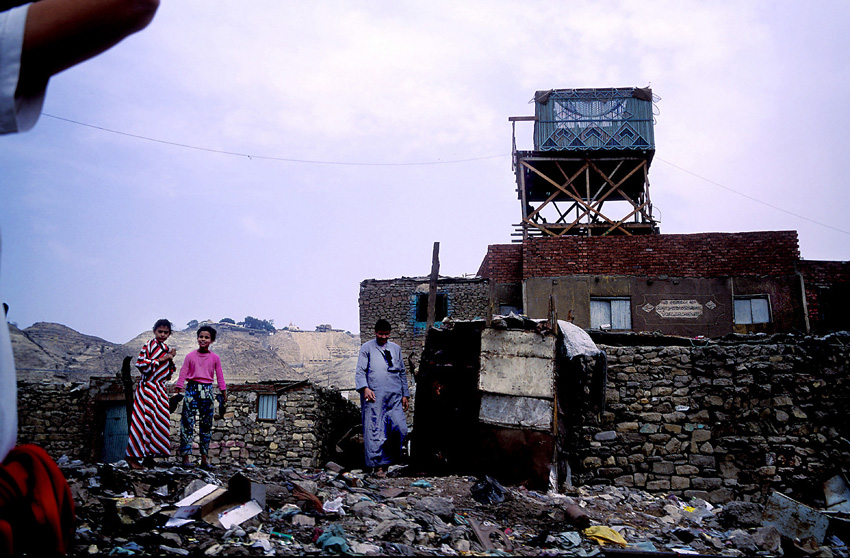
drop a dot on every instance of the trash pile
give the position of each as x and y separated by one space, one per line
177 511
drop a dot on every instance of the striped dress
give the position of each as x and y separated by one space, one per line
150 426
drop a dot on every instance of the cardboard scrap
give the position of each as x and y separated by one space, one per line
240 501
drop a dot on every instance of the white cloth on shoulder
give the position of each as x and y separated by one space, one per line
17 113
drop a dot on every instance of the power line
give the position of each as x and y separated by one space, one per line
453 161
752 198
286 159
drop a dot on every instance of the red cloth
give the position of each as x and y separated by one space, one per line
36 506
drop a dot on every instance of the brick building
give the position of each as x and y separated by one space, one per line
706 284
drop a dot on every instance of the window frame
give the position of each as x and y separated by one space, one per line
609 300
737 317
421 308
261 407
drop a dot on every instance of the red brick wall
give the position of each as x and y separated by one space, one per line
818 276
503 263
676 255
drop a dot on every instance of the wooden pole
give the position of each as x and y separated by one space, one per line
491 292
127 382
553 312
432 288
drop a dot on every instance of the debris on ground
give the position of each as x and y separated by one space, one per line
332 511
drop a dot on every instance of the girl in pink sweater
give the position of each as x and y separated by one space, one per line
198 371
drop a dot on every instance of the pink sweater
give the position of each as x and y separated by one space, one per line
200 367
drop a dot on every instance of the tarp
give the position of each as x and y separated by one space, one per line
577 341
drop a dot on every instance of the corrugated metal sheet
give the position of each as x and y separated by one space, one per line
793 519
593 119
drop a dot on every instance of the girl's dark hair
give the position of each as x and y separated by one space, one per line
162 323
208 329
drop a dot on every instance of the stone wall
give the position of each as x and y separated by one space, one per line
395 300
288 441
728 419
68 419
721 421
54 416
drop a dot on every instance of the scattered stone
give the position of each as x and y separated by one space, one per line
740 514
768 539
743 541
441 507
394 518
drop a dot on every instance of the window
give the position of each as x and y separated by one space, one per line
752 310
442 308
267 406
610 313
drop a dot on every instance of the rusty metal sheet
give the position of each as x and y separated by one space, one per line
523 412
793 519
515 456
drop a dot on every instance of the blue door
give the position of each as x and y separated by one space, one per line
115 433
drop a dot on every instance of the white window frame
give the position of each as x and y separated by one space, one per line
611 313
753 309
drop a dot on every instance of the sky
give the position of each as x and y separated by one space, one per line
263 158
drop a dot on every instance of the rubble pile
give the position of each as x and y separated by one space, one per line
331 511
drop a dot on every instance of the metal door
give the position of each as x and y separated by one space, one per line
115 433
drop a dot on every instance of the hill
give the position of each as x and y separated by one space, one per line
54 352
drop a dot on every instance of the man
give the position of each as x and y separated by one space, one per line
384 398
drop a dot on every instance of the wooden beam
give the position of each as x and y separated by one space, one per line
524 202
590 206
578 200
550 198
491 292
620 222
432 288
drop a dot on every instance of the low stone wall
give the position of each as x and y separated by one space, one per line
287 441
727 420
53 416
69 419
721 421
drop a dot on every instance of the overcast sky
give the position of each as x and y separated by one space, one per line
264 157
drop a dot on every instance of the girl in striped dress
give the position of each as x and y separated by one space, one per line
150 426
